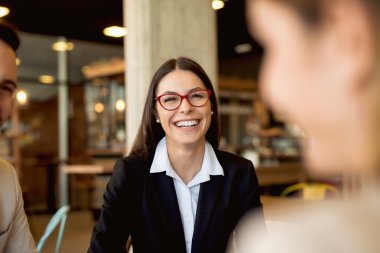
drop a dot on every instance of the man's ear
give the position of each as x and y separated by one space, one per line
352 40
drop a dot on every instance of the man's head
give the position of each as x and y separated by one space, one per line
9 42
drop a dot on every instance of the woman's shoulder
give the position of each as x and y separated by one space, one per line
133 164
132 159
231 160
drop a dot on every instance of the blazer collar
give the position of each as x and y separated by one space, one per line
161 162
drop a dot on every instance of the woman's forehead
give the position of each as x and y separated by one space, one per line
180 81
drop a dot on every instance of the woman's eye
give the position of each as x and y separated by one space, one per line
170 99
197 95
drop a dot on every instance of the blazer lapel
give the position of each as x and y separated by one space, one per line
206 202
168 203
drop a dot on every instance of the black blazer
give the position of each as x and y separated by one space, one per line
145 206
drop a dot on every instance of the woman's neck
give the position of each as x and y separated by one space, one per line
186 160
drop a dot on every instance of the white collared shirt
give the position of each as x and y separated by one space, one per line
187 195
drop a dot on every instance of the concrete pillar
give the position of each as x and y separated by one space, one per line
157 31
63 128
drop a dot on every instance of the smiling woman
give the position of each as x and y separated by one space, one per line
176 192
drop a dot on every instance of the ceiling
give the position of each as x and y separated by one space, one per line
82 21
37 59
85 20
75 19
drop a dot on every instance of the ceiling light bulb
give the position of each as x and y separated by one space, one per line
3 11
22 97
120 105
46 79
62 46
115 31
217 4
99 107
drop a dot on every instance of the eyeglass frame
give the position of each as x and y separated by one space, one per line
158 98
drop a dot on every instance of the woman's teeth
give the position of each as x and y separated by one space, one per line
186 123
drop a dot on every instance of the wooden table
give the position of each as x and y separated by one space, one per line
86 190
84 169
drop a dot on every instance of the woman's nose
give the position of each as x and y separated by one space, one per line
185 106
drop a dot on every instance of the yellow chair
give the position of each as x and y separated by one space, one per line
312 191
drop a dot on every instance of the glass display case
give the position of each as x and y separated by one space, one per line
105 113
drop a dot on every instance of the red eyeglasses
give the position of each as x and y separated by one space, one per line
196 98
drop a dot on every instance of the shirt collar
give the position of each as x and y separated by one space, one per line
210 164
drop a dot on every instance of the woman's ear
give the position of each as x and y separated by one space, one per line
157 118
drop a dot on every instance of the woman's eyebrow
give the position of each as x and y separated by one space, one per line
191 90
196 88
169 92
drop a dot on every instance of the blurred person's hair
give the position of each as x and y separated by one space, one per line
150 132
312 13
8 34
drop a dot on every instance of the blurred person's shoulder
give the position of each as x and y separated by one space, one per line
336 227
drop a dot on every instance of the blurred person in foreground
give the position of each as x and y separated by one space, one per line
176 192
321 71
15 236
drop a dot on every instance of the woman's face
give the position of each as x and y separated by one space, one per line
303 78
186 125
